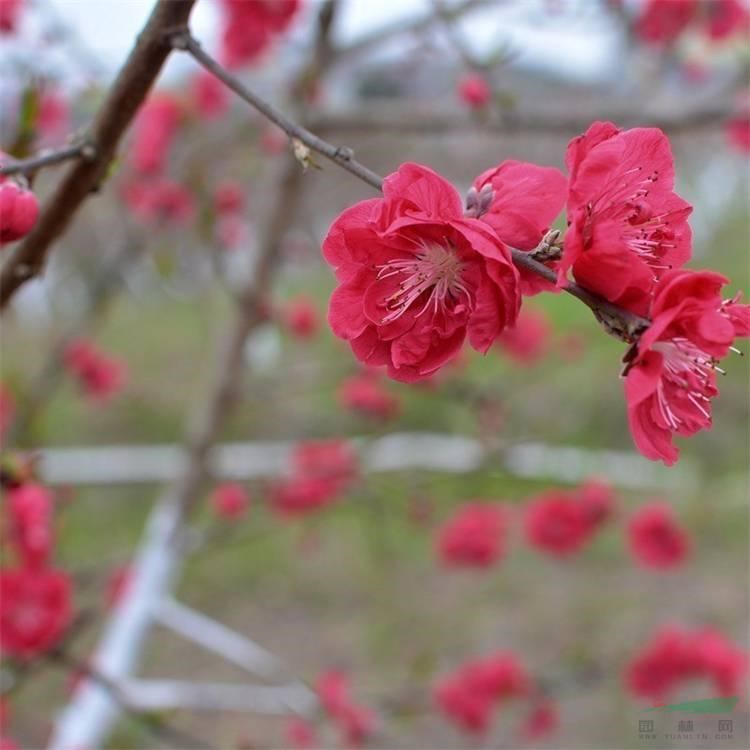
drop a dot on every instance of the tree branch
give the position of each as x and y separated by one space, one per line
49 158
618 322
115 115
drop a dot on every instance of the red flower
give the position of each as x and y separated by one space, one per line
301 317
30 514
474 536
19 209
663 663
229 198
10 12
230 501
155 128
334 460
416 277
526 342
36 610
365 393
250 26
321 472
543 720
675 655
466 696
662 21
210 95
556 522
462 704
627 225
99 376
474 91
670 377
656 539
723 662
520 201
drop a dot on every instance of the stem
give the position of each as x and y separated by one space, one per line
66 153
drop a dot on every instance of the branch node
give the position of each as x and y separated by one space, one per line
180 38
344 153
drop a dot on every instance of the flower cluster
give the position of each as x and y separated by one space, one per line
251 26
36 596
418 274
98 375
356 722
320 473
469 695
675 655
561 523
153 198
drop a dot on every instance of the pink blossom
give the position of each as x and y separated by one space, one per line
416 278
301 318
19 209
656 539
474 536
230 501
251 26
99 376
626 224
30 513
474 91
155 129
520 201
36 610
670 372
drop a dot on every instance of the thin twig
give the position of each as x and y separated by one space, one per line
342 156
617 321
115 115
49 158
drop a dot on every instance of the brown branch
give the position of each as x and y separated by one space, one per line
49 158
619 322
116 113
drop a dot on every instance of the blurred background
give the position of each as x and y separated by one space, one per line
358 586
